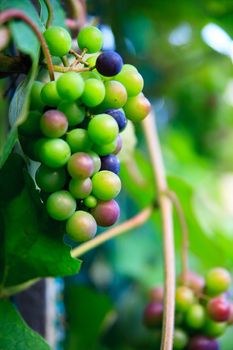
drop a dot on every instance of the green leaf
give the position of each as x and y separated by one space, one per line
59 14
14 333
31 243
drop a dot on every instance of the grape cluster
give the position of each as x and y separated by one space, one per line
203 310
73 129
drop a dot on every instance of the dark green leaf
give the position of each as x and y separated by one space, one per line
14 333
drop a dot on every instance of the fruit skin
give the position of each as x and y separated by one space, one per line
49 94
80 165
105 185
70 86
75 114
94 92
50 180
109 63
80 188
119 145
195 316
79 140
180 339
219 309
184 298
81 226
111 163
217 281
102 129
61 205
54 153
90 201
153 315
214 329
137 108
193 281
201 342
132 81
119 117
53 123
115 95
90 38
106 213
104 150
58 40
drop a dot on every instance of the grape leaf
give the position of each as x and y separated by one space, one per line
14 333
59 14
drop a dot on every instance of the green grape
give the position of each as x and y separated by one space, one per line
94 92
61 205
96 161
79 140
90 202
90 75
49 94
129 67
132 81
81 226
184 298
54 153
214 329
180 339
75 114
195 317
50 180
70 86
103 129
31 126
35 98
106 185
137 108
90 38
92 60
80 188
58 40
217 281
115 95
104 150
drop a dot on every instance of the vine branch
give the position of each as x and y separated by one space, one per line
152 139
50 13
134 222
7 15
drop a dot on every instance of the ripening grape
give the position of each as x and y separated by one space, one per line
105 185
132 81
196 316
153 314
115 95
219 309
53 123
80 165
217 281
61 205
81 226
137 108
96 160
184 298
80 188
106 213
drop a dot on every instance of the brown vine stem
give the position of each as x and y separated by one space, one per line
50 13
118 230
167 224
7 15
185 234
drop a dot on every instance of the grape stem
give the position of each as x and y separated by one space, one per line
63 69
152 139
50 13
185 234
118 230
7 15
65 61
78 57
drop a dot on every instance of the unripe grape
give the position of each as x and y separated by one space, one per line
219 309
90 38
79 140
156 294
90 201
129 67
70 86
104 150
81 226
96 159
111 163
74 113
90 75
115 95
54 153
137 108
106 213
153 315
217 281
195 316
35 98
31 126
102 129
50 180
94 92
105 185
200 342
58 40
180 339
61 205
184 298
119 117
80 188
53 123
109 63
49 94
214 329
80 165
132 81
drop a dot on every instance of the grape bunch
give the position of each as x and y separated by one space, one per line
203 310
73 129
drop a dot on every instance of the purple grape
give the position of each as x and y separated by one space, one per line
119 117
201 342
111 163
109 63
106 213
153 314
